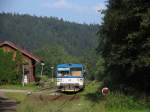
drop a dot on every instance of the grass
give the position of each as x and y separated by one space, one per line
19 87
45 82
118 102
80 105
90 101
19 97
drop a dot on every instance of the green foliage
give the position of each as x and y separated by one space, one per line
35 32
89 59
125 43
46 82
56 41
9 68
95 65
53 55
100 68
19 61
118 102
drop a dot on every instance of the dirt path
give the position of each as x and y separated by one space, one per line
12 90
7 105
52 91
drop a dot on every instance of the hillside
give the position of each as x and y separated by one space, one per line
34 33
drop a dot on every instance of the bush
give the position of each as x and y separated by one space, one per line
46 82
119 102
9 69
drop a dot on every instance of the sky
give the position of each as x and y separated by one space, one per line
80 11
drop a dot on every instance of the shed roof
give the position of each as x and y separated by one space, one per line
23 51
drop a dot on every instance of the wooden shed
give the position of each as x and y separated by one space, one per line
30 59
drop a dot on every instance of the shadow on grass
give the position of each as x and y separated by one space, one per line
72 92
69 93
7 104
94 97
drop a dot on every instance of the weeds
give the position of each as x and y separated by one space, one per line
90 100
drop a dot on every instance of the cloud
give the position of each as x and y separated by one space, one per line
61 4
67 5
99 7
55 4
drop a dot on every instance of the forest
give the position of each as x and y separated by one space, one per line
54 40
34 32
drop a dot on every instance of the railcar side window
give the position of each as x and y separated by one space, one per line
76 71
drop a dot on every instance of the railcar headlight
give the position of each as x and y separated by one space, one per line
59 80
81 80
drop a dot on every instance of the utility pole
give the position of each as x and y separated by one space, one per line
22 75
42 64
52 69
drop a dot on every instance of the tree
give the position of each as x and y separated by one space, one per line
18 64
125 42
100 68
35 32
10 70
54 55
7 67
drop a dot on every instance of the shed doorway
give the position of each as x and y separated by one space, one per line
26 73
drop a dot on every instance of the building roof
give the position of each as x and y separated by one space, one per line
23 51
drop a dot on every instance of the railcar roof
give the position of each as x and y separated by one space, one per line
69 65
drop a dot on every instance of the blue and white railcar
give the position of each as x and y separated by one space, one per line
70 77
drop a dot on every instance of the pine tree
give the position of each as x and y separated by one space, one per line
125 42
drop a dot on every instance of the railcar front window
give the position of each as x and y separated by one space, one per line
63 73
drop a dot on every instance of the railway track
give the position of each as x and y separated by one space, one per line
61 106
56 95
